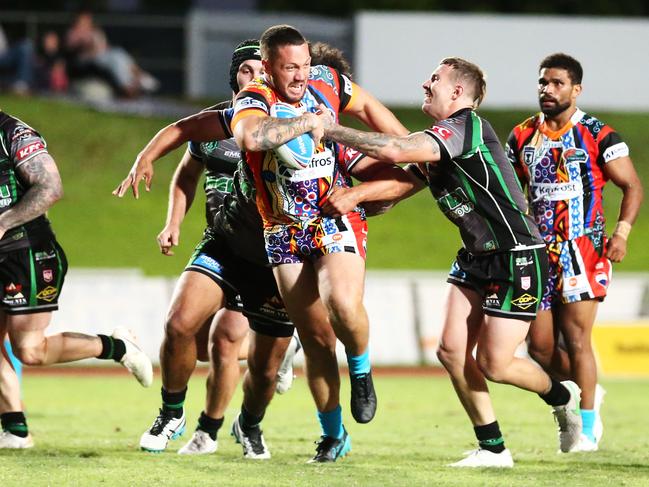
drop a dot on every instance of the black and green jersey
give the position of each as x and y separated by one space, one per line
475 186
18 144
220 158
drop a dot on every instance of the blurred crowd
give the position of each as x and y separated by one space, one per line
76 60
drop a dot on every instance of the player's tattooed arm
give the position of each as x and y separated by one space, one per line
416 147
256 134
41 176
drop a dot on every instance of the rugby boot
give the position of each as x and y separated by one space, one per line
10 441
330 449
165 427
584 444
480 458
568 418
363 400
285 374
598 427
201 443
251 440
135 360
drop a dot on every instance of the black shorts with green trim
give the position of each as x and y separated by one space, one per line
31 278
510 283
248 287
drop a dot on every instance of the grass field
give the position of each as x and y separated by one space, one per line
87 430
95 151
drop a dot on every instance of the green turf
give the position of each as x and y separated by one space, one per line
87 430
95 151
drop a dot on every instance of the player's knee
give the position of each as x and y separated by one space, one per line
493 370
30 356
345 310
224 350
262 374
449 358
179 325
541 355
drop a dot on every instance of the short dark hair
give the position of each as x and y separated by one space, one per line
323 53
471 74
564 61
279 35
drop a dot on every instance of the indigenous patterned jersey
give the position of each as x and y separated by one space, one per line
284 194
476 187
18 144
563 171
220 158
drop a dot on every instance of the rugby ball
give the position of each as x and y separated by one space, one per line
297 152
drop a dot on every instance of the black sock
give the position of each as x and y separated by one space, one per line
172 402
210 425
558 394
248 421
489 437
111 348
15 423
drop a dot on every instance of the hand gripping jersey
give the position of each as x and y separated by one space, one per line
475 186
18 144
220 158
284 194
563 171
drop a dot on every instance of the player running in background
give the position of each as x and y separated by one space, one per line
565 157
497 277
32 271
220 280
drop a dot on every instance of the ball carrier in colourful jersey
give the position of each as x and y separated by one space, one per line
32 271
217 285
312 255
497 277
565 157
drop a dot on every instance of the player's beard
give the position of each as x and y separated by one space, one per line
554 110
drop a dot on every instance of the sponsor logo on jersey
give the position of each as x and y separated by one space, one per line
528 155
48 294
523 261
40 256
618 150
21 132
526 282
443 132
574 155
5 196
490 245
557 191
347 85
29 150
13 295
525 301
249 102
12 288
48 275
602 279
321 166
455 204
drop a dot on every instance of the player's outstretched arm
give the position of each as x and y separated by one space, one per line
181 196
416 147
260 132
42 177
623 174
201 127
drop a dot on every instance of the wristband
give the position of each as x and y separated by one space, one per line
622 229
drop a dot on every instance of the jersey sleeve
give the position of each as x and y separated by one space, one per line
350 157
25 143
254 99
611 146
513 155
450 137
415 170
224 119
347 91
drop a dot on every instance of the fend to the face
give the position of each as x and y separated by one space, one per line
557 92
288 70
249 70
438 91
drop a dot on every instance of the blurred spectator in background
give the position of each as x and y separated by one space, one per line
90 55
16 64
51 72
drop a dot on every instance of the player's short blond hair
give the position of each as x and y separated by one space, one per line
470 75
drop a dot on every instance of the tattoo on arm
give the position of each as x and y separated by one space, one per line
273 132
41 176
378 145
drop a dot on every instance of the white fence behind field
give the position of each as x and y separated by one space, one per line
405 309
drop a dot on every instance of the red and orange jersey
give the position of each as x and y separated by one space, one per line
284 194
563 171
